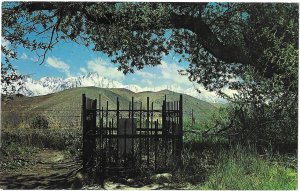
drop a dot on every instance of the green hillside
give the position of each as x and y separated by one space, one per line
65 107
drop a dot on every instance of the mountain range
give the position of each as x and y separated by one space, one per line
47 85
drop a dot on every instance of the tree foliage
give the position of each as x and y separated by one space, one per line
271 103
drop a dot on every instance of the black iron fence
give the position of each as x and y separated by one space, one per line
133 139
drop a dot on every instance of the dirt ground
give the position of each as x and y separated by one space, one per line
51 169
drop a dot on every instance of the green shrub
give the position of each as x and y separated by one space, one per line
39 122
61 139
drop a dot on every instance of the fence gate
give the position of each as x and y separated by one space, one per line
131 139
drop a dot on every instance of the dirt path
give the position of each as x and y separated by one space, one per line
52 170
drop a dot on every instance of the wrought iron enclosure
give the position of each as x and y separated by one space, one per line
131 140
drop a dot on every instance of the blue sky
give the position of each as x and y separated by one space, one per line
69 59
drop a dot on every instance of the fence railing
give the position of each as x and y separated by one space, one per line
123 140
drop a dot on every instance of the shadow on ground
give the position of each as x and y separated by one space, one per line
20 181
51 171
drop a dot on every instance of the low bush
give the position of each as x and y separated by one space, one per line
61 139
39 122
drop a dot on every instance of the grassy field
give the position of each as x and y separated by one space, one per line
240 169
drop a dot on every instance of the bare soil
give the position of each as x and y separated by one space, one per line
51 169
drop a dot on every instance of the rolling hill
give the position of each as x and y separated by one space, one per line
47 85
62 109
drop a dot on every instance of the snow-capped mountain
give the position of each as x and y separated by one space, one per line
48 85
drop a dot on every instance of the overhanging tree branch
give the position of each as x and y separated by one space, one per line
51 40
208 39
205 36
